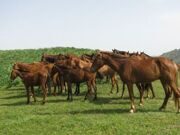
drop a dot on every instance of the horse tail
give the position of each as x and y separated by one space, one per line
177 93
177 73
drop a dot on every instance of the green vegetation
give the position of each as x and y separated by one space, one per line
106 116
8 58
174 55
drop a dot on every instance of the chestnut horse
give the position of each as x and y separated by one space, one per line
133 70
141 86
31 79
34 67
103 71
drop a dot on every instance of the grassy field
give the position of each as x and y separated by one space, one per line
106 116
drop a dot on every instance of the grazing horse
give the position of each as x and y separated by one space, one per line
133 70
76 75
30 80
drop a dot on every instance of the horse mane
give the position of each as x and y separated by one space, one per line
119 52
114 55
142 53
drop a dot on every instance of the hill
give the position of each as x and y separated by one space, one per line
9 57
174 55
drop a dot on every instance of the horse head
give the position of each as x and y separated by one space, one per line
14 74
98 62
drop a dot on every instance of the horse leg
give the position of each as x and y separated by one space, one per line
49 83
151 87
89 89
95 89
141 92
54 90
77 89
69 85
117 87
28 95
130 90
123 90
167 95
32 90
112 83
44 89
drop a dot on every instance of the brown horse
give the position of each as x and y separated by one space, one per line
34 67
133 70
103 71
30 80
76 75
141 86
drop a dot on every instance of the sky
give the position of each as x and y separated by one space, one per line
152 26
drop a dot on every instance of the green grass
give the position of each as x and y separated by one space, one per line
106 116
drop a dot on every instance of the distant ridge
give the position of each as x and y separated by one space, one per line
174 55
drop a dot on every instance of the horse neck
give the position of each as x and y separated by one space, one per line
23 67
84 64
20 74
112 62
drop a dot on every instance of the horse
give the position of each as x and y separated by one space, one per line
33 67
76 75
132 70
31 79
103 71
142 86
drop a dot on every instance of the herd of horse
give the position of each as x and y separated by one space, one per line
133 68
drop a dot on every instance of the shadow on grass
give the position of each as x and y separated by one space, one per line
13 97
100 111
109 100
119 111
21 103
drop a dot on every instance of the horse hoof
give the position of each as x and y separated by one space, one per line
131 111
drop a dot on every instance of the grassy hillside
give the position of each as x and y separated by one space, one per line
174 55
9 57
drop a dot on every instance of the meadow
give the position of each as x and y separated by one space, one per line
108 115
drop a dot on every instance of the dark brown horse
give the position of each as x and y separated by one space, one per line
76 75
133 70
